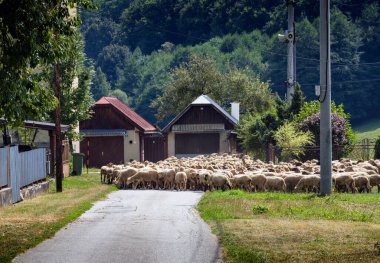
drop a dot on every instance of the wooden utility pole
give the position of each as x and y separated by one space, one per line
325 99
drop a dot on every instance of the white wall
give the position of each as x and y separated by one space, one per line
132 150
171 144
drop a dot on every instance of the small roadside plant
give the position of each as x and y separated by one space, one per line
260 209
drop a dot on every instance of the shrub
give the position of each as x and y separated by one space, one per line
377 148
340 140
292 141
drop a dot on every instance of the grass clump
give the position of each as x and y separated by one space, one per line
28 223
260 209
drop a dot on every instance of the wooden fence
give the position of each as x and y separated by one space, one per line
20 169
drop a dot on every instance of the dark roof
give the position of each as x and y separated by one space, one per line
203 100
40 125
127 112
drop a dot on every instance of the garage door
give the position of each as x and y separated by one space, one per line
201 143
103 150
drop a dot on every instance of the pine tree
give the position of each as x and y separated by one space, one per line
297 101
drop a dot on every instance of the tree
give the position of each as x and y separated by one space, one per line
201 76
75 80
297 101
100 86
27 45
256 132
291 140
120 95
186 83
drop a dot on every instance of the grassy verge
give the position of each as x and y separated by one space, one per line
28 223
277 227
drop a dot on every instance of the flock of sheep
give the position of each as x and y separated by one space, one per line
241 172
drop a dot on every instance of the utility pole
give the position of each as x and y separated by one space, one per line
58 135
325 99
290 37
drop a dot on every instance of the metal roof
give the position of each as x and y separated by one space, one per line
104 132
40 125
139 121
203 100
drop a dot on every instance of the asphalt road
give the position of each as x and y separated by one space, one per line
133 226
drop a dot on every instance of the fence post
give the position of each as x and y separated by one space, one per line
8 166
269 153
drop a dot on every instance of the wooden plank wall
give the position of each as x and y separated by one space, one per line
155 148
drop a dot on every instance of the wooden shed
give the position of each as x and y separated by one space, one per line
203 127
115 133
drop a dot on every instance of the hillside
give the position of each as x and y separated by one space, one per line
135 44
368 130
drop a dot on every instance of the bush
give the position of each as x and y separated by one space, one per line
343 137
377 148
340 140
292 141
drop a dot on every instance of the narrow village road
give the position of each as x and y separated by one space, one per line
133 226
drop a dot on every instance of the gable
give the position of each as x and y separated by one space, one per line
106 117
203 114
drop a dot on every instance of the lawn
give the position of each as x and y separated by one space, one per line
277 227
28 223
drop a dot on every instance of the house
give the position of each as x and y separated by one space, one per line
203 127
115 134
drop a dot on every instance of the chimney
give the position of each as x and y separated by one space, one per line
235 110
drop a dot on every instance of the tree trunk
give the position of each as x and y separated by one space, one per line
58 146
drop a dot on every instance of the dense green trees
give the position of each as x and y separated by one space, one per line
27 47
201 76
137 43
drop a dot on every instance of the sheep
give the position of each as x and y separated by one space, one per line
169 180
123 175
344 182
309 183
291 181
241 181
203 178
258 182
374 180
143 176
180 180
362 184
275 183
191 178
220 180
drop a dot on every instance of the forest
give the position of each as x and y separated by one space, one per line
135 45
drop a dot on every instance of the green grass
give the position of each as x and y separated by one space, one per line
369 130
278 227
26 224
